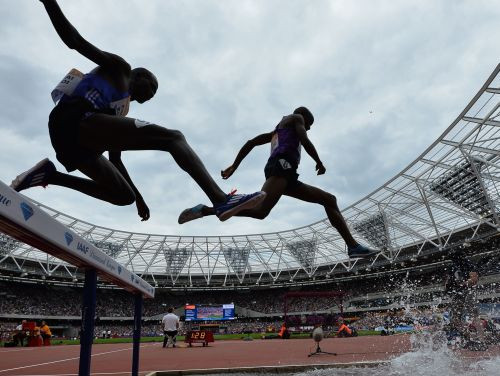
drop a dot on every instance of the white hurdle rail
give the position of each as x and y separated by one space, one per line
26 222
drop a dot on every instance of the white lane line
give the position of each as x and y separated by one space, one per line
65 360
7 351
92 374
51 348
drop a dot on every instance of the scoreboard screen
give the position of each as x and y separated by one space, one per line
195 312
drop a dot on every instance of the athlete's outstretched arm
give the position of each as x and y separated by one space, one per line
247 148
142 208
308 145
72 38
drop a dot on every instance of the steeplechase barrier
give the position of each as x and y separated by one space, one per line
21 219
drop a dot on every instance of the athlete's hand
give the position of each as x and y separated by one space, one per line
228 172
320 168
142 208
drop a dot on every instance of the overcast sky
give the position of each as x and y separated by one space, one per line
383 78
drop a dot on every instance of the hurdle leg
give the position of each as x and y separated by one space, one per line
88 316
137 334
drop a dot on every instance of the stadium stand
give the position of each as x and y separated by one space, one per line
372 298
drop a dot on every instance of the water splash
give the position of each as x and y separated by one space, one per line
430 356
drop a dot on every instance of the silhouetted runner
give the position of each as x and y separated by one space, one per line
282 178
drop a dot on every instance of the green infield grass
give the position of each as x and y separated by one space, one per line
217 337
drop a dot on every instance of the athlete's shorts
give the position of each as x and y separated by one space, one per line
64 123
281 165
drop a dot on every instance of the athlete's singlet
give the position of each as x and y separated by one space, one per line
286 142
101 94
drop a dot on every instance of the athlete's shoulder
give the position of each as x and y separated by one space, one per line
290 121
117 65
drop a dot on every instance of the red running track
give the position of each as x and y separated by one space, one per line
115 359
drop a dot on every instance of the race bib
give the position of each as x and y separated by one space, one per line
67 85
121 106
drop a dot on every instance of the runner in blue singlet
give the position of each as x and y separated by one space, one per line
90 119
282 179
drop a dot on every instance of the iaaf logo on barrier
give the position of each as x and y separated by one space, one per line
82 248
68 237
27 210
4 200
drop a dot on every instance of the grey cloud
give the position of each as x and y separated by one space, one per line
24 97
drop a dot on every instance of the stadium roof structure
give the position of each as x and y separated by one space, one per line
452 186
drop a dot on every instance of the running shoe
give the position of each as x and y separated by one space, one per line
191 214
360 251
37 176
236 203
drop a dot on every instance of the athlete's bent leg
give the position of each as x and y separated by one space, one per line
106 182
274 187
315 195
106 132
